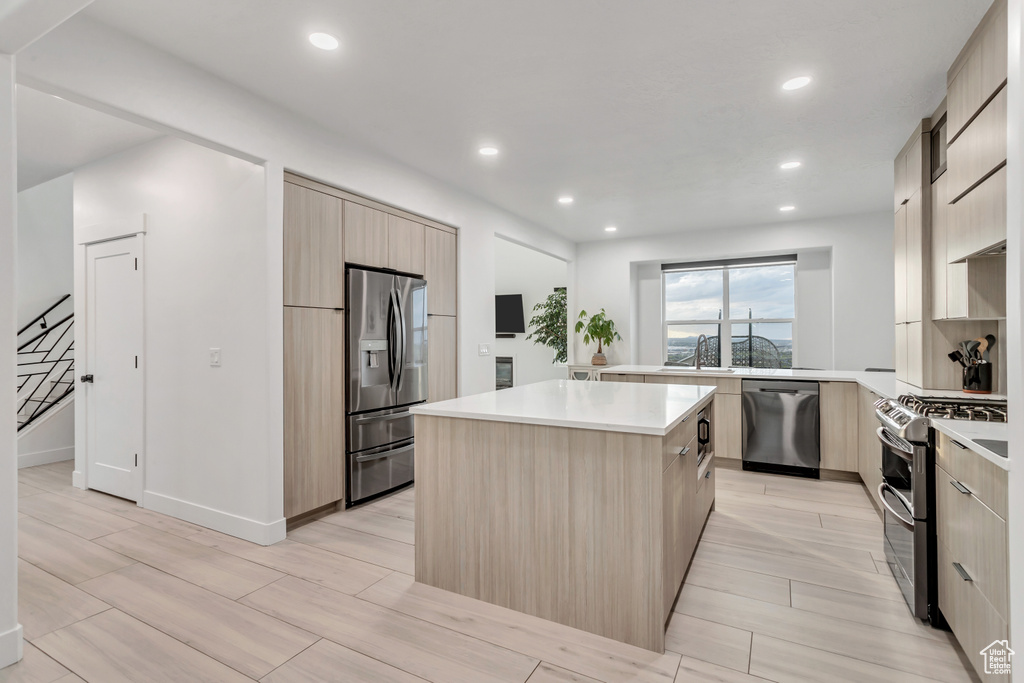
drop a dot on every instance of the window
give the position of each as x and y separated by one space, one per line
752 300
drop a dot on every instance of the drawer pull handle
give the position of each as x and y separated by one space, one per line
686 418
684 451
960 487
958 445
962 572
707 475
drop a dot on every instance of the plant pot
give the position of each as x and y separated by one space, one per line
599 359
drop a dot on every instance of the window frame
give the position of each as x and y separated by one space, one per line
724 322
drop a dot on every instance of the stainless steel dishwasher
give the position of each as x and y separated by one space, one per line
781 431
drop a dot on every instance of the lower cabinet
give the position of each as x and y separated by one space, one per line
442 358
729 425
314 409
621 377
869 448
972 549
839 422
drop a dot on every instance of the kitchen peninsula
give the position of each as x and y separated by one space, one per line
577 502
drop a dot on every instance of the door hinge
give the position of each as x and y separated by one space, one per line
136 459
136 264
136 362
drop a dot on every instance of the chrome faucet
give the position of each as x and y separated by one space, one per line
706 345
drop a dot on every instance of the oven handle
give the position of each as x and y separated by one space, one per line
884 437
908 525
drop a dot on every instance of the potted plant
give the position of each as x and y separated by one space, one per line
550 325
600 328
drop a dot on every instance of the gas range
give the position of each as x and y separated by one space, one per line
909 416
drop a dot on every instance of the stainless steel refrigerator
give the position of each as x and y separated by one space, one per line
386 330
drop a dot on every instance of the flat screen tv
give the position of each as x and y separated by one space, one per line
508 314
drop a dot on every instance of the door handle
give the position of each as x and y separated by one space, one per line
381 418
87 378
384 454
960 487
962 572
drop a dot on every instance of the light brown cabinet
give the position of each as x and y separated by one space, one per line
314 405
869 448
976 288
838 420
406 245
977 223
441 271
940 269
901 352
900 254
621 377
979 150
914 255
366 236
728 424
442 355
314 260
971 499
979 70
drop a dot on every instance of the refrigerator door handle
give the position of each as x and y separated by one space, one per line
402 344
395 332
391 340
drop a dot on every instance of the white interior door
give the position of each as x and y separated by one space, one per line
113 359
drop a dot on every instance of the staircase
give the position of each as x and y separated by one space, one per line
46 361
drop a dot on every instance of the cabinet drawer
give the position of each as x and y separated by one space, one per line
621 377
683 437
705 492
980 149
975 537
973 620
985 480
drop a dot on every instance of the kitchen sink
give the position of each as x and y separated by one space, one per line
695 371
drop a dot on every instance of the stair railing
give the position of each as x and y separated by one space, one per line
46 363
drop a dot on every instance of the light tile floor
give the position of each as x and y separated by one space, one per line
788 584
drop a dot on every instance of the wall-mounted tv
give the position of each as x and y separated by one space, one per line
508 314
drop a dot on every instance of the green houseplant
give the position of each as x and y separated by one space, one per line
550 325
600 328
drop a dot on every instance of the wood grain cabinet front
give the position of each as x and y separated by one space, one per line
406 245
366 236
441 271
838 420
442 356
869 448
314 259
314 407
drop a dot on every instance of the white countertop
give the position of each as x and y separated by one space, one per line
652 409
884 384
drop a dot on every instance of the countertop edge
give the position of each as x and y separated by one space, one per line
950 430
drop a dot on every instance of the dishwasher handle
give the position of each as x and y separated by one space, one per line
779 391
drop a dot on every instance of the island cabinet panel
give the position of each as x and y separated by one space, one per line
838 420
406 245
314 261
869 448
728 426
314 404
566 524
366 236
440 270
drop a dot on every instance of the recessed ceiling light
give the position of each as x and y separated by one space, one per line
324 41
788 207
796 83
565 200
488 151
610 228
789 165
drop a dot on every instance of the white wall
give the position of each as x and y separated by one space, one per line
51 438
844 286
90 63
10 630
45 253
207 454
521 270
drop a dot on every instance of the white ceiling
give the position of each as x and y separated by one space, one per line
657 115
56 136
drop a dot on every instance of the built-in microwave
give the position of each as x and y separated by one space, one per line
704 445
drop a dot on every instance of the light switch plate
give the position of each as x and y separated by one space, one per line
214 358
485 349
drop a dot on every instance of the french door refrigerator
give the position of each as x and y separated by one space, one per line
386 334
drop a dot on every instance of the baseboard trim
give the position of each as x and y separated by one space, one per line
12 645
218 520
46 457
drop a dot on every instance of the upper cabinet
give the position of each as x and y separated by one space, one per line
366 236
441 261
405 245
979 150
979 71
314 260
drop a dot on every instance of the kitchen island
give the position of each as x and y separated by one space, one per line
577 502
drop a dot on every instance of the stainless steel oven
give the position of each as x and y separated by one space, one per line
907 493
